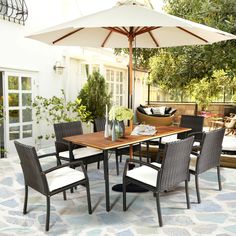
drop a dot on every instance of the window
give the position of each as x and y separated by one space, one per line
116 85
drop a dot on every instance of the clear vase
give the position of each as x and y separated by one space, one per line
121 129
113 131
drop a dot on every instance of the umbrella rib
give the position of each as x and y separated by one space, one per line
103 44
204 40
136 30
153 38
146 29
125 30
117 30
67 35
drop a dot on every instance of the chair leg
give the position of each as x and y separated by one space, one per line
120 158
159 209
147 152
187 194
124 194
98 166
117 164
197 189
64 195
48 213
26 200
140 153
219 178
88 198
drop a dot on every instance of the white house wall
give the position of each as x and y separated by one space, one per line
19 53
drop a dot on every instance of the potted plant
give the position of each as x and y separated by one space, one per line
95 96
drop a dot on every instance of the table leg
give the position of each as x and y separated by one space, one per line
106 177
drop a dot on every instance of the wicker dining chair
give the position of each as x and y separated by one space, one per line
99 125
50 182
195 123
209 157
85 154
158 177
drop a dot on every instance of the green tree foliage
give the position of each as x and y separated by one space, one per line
190 64
94 95
207 90
219 14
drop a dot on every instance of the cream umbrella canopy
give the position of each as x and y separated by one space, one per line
129 21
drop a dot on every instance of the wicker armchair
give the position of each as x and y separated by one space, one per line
99 125
67 152
209 157
50 182
157 177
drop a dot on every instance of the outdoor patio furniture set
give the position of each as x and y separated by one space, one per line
71 145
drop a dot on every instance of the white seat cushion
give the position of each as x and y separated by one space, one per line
169 139
63 177
193 160
82 152
229 143
145 174
196 144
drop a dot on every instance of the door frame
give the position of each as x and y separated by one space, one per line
9 146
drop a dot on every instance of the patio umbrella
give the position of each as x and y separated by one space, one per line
128 22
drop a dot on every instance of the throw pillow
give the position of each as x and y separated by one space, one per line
158 110
148 110
141 110
167 110
172 111
143 106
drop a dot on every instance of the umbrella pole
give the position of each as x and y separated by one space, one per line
131 88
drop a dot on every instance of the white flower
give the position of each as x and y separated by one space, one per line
120 113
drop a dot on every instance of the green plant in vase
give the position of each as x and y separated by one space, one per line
118 114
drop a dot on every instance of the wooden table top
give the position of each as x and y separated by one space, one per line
97 139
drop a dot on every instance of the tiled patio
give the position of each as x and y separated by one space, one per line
216 215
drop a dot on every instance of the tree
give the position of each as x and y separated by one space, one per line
94 95
207 90
193 63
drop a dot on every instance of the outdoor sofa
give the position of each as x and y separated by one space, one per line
157 116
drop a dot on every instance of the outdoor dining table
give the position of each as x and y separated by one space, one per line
97 140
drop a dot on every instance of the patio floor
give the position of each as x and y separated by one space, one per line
216 215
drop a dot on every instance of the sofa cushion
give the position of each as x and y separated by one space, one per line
148 110
167 110
158 110
143 106
172 111
140 109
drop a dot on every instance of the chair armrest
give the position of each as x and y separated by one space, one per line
61 146
139 162
64 165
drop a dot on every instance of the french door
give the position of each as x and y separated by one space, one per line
18 96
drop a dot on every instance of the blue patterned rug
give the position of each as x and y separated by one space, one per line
216 215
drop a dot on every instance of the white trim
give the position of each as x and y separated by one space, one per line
18 70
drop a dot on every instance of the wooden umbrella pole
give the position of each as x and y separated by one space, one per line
131 87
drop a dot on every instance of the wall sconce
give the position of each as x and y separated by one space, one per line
58 67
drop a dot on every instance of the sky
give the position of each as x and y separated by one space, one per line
90 6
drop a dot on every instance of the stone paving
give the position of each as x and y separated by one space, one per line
216 215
